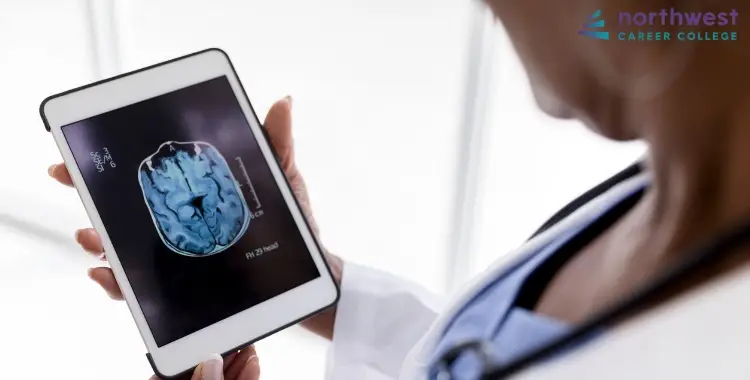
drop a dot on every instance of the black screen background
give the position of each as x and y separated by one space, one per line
180 295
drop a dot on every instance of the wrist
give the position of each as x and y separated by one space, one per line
322 324
337 267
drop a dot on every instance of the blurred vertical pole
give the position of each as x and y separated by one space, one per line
105 54
471 149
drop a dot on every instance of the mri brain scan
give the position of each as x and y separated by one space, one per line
195 202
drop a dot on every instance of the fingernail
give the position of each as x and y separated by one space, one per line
288 100
51 170
213 368
77 235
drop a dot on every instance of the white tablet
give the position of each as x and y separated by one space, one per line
199 224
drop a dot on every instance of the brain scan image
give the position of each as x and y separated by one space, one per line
195 202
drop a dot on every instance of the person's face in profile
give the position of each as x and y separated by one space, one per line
536 28
543 34
601 83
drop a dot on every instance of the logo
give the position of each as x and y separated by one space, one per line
665 25
593 23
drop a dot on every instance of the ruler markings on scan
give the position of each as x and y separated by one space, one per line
248 181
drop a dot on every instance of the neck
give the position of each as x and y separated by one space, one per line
698 134
699 157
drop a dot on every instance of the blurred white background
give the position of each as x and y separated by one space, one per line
380 104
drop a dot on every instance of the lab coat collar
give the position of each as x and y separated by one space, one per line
702 334
418 356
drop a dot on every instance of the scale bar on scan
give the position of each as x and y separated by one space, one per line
248 182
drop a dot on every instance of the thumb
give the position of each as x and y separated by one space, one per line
278 125
211 369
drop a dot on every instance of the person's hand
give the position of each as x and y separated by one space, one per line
278 124
241 365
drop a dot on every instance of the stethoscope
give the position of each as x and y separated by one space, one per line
705 255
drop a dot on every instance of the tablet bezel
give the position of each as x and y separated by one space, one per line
240 329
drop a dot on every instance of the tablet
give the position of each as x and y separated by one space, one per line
201 228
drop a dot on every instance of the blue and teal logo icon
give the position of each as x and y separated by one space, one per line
594 22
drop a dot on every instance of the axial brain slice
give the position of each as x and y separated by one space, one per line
195 202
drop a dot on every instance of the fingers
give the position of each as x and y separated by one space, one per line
60 173
90 241
230 359
106 279
245 366
211 369
278 124
251 370
297 183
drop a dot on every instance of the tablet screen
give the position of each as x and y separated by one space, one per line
191 207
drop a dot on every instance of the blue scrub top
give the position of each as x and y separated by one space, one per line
502 314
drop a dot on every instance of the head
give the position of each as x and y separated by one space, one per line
617 87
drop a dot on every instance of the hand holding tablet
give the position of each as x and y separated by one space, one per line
206 240
238 366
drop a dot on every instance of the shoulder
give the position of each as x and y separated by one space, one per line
605 186
576 217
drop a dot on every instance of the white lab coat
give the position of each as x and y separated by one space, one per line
386 327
